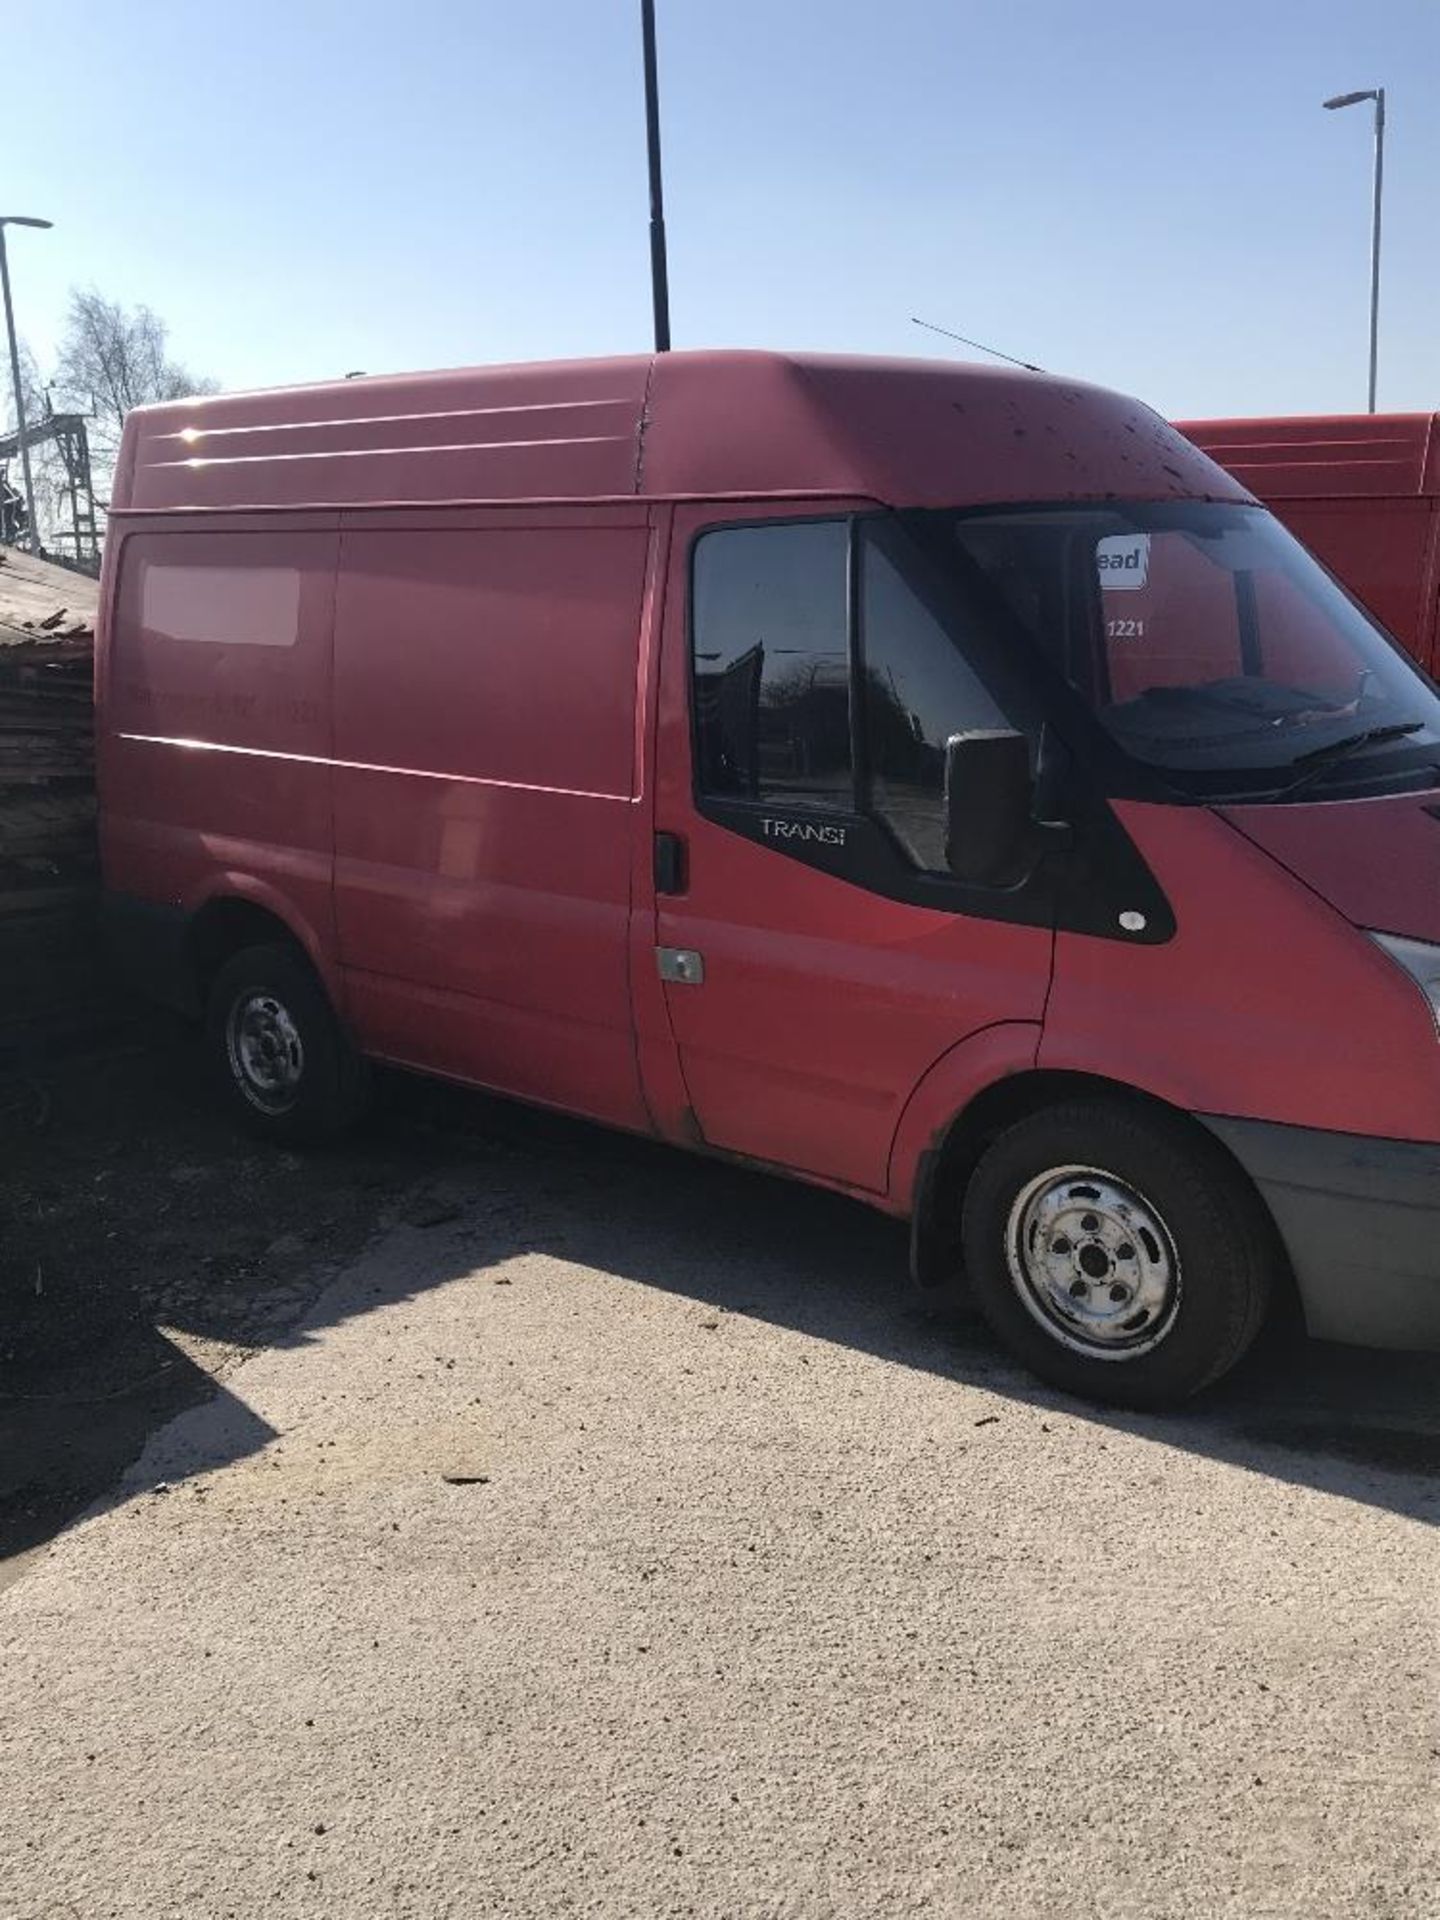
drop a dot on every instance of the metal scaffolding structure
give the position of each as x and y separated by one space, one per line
77 543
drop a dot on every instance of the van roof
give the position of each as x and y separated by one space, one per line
707 425
1365 454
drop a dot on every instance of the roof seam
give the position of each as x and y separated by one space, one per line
643 425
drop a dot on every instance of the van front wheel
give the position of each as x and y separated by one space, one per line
1117 1251
282 1063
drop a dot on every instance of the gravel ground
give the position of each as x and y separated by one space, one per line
147 1247
623 1540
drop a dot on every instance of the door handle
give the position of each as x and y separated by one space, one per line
671 866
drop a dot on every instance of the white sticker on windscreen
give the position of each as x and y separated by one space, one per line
1123 562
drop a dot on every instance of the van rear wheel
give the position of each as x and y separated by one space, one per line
1117 1252
278 1054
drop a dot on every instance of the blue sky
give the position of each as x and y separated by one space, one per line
1146 195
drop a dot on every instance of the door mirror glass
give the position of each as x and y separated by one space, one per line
989 802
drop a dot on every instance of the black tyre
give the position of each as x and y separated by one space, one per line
279 1056
1117 1251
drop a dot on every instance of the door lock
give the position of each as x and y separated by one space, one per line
682 965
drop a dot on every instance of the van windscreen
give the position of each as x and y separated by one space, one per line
1207 642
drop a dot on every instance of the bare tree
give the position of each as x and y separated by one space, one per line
32 388
113 358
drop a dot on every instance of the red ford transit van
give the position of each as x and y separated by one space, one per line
1363 492
940 783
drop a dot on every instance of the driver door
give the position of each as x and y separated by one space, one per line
817 958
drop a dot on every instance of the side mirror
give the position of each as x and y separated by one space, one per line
990 834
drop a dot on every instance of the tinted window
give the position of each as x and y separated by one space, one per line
919 690
772 676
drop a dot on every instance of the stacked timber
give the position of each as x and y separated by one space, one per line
52 983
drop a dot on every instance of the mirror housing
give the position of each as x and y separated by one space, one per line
990 836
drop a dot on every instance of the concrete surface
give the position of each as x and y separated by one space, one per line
628 1543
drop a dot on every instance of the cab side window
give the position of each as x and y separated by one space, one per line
814 698
770 639
919 689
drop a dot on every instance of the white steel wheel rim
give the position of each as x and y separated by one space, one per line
266 1053
1093 1263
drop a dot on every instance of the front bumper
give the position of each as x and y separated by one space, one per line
1360 1219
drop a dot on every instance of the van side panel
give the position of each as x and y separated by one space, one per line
214 755
486 783
1361 491
1380 549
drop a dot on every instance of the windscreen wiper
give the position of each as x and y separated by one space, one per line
1318 759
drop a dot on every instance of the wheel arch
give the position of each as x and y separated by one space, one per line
955 1150
241 915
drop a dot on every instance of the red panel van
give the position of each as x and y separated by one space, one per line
1363 492
940 783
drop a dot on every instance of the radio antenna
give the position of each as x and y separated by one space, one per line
979 345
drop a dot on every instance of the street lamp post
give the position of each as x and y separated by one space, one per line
1377 94
19 220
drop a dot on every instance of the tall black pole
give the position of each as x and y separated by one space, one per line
1375 240
659 274
1377 94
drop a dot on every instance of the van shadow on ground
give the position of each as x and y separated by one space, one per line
228 1245
1364 1425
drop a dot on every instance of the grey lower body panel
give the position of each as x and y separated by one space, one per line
1360 1219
